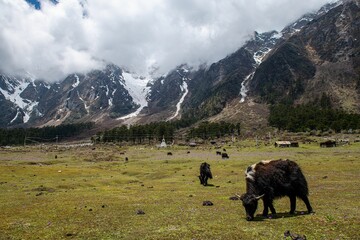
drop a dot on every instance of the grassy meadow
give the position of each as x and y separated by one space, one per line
59 192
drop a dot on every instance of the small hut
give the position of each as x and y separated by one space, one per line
192 144
294 144
282 144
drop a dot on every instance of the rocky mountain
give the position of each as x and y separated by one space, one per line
212 88
96 96
316 55
322 58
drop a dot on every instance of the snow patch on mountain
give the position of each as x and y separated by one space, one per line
138 90
185 90
259 55
18 113
15 88
77 81
267 41
244 89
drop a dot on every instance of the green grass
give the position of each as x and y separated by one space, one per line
94 194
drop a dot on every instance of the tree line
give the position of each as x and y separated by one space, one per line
146 134
308 117
22 136
138 134
212 130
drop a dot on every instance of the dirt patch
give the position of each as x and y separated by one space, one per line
44 189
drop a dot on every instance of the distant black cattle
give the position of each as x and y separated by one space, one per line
273 179
169 153
218 153
205 173
126 159
328 143
224 156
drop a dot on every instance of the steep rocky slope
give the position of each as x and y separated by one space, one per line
322 58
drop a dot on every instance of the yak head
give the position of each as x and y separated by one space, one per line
250 203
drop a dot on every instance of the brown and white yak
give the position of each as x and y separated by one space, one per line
274 179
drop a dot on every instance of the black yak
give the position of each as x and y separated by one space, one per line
205 173
274 179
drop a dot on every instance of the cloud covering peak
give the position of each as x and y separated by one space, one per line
79 35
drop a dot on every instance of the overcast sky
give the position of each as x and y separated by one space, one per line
76 35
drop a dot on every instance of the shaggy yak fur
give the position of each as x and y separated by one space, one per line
205 173
274 179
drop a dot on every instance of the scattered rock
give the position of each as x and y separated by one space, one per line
294 236
234 198
207 203
140 212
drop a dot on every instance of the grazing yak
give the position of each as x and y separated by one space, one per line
274 179
205 173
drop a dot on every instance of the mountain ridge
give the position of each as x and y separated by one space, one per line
272 67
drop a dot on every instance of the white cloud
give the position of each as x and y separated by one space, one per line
58 39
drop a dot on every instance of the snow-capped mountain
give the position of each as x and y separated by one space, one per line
267 67
322 59
97 96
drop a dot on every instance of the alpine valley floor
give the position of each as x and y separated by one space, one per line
91 192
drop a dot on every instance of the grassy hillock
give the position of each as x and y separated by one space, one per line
89 192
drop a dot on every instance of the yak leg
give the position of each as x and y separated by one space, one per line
307 203
266 207
201 180
272 209
205 180
292 204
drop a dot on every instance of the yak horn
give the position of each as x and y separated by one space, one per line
258 197
237 195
